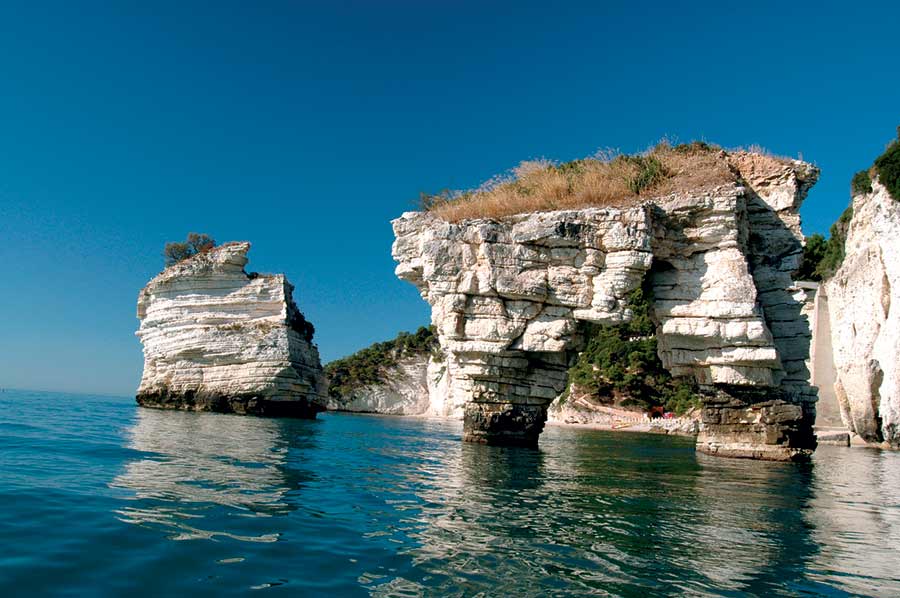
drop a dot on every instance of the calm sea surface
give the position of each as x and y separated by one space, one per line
99 497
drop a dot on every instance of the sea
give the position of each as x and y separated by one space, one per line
99 497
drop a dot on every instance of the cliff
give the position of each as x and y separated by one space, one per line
863 296
402 376
510 297
218 339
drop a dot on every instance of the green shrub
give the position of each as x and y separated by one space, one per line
861 183
833 256
888 167
622 362
194 244
650 172
813 252
368 365
821 259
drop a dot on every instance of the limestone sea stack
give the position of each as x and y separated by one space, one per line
216 338
510 295
864 305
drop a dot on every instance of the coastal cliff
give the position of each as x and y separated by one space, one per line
863 299
216 338
511 297
402 376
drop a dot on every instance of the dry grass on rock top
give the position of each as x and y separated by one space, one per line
600 181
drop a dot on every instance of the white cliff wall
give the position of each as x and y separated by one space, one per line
216 338
863 297
507 298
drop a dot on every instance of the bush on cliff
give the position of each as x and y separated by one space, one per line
861 183
368 365
834 250
813 253
620 363
888 167
821 258
194 244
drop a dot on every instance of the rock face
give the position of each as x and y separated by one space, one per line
402 390
218 339
508 299
575 409
863 296
416 385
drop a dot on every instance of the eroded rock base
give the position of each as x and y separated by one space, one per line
243 405
748 423
504 424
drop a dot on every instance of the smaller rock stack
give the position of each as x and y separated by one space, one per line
219 339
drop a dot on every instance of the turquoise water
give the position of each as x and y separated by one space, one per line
101 498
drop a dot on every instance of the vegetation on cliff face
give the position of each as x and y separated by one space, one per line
887 165
606 179
194 244
368 365
861 183
821 257
620 364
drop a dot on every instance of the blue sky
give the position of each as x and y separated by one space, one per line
306 127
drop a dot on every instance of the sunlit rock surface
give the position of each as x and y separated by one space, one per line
216 338
863 296
508 299
410 387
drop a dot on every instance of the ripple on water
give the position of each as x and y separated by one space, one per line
113 499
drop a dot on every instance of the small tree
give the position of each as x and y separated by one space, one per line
200 242
195 243
813 253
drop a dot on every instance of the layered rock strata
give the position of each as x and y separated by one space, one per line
863 296
216 338
508 299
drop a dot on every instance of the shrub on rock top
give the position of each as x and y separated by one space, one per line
194 244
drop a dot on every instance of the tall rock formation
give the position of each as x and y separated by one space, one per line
509 297
863 301
219 339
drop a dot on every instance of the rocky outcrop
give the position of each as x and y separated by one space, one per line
216 338
402 390
509 298
402 376
585 410
863 296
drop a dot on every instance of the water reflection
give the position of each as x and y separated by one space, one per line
400 507
855 519
202 471
591 513
746 530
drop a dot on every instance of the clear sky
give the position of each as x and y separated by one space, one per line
305 127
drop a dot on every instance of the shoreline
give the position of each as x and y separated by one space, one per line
643 427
